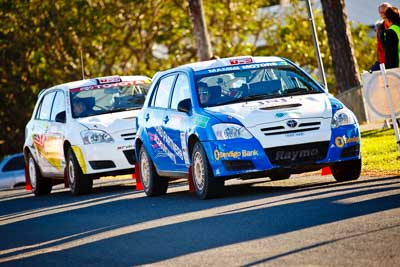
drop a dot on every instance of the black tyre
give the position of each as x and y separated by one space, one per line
205 184
79 183
279 175
346 170
153 184
40 185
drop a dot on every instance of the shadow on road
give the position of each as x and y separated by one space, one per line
117 226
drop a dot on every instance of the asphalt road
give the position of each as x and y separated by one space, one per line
303 221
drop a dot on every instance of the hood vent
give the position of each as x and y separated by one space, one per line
282 106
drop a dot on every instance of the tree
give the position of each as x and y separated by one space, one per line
200 30
41 44
340 44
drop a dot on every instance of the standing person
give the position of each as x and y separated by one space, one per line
392 42
380 29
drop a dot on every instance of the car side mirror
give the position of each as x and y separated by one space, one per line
60 117
185 105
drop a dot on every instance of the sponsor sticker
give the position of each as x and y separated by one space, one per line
340 141
234 154
201 121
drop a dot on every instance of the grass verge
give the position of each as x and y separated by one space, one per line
380 155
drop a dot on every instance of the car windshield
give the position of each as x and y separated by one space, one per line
107 98
243 85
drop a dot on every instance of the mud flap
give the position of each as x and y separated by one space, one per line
190 180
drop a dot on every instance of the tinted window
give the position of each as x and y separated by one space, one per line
181 90
58 106
254 83
14 164
163 91
45 107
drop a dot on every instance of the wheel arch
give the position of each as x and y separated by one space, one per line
191 141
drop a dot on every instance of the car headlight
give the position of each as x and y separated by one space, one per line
95 137
224 131
343 117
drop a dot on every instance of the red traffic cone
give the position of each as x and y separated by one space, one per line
326 171
136 176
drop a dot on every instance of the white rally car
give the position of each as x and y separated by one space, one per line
242 117
82 130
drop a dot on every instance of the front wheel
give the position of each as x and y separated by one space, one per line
346 170
40 185
153 184
205 184
78 182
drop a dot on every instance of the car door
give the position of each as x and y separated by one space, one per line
174 124
154 118
55 135
39 128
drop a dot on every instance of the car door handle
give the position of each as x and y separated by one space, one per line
147 117
166 119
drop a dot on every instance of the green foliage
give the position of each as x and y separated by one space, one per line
42 43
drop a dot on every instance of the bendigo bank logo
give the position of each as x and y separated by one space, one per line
234 154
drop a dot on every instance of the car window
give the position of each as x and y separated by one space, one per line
251 84
181 90
58 106
108 98
45 107
164 88
14 164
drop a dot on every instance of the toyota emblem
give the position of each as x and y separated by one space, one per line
291 123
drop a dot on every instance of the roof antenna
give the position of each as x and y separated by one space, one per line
83 73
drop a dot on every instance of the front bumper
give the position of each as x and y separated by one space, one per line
240 156
105 158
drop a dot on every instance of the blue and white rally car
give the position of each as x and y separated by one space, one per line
242 117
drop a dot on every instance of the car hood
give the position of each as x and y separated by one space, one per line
257 112
112 122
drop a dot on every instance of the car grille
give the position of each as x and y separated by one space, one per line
130 156
237 165
297 154
101 164
128 136
351 151
281 129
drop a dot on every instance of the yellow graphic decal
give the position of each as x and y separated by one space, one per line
79 156
341 141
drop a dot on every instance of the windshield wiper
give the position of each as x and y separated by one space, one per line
250 98
299 91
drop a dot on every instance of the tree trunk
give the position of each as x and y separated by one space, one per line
340 45
200 30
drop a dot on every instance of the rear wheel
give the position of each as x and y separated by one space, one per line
346 170
78 182
40 185
153 184
205 184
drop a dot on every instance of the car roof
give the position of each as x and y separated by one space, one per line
12 156
226 62
96 81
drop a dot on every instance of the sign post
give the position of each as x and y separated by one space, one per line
389 99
